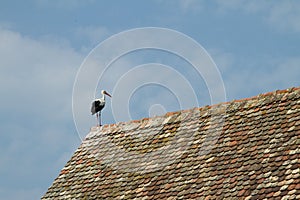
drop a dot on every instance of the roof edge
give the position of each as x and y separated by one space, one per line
230 107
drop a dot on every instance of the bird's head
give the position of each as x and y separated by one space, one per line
106 93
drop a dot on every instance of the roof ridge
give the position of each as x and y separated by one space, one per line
230 107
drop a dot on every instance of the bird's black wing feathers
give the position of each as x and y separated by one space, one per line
94 107
97 106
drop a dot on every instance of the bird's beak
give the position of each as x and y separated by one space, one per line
107 93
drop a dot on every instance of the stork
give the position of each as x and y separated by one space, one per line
98 105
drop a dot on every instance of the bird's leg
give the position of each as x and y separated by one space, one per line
97 115
100 118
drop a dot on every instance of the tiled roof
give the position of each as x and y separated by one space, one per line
245 149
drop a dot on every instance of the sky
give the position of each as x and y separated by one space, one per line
46 44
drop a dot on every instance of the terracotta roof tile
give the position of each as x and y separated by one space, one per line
245 149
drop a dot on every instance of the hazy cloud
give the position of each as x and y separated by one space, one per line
36 79
244 81
92 34
282 15
285 15
191 5
63 4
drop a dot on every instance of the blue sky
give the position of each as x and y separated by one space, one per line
255 45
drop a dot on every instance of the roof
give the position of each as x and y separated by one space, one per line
245 149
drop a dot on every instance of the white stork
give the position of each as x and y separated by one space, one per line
98 105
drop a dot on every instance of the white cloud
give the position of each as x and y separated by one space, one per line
285 74
223 60
39 73
63 4
285 15
191 5
230 4
244 81
36 79
245 77
282 15
184 6
92 33
5 25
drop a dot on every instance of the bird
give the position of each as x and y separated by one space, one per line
98 105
